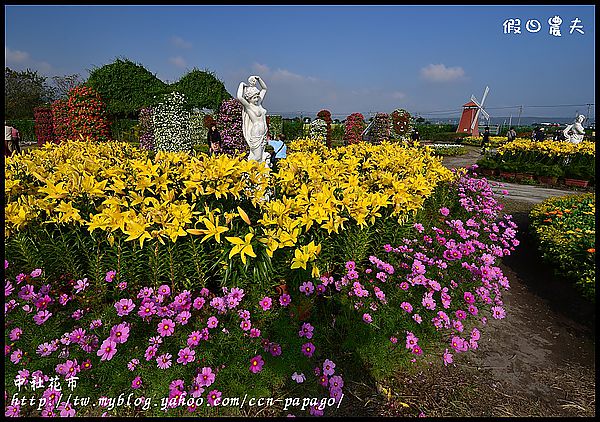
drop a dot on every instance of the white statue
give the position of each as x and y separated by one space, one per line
254 117
574 132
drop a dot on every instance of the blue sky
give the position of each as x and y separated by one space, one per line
426 59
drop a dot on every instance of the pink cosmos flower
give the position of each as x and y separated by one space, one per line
256 364
214 397
166 327
136 383
265 303
183 317
66 410
150 352
36 273
193 339
107 349
164 290
308 349
407 307
97 323
110 276
124 307
336 382
254 332
498 312
417 318
12 411
122 285
81 285
164 361
246 324
475 335
285 300
186 355
367 318
198 303
394 340
119 333
147 309
205 378
299 378
5 264
212 322
444 211
15 334
132 364
16 356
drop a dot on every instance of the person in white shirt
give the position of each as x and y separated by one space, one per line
7 139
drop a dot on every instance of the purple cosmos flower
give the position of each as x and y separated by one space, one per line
498 312
306 330
256 364
308 349
122 285
367 318
254 332
166 327
328 367
444 211
205 378
307 288
147 309
193 339
275 349
407 307
299 378
186 355
265 303
8 288
36 273
107 349
336 382
44 349
41 317
97 323
77 335
81 285
124 307
198 303
246 324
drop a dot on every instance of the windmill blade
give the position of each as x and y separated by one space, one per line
485 93
476 118
485 114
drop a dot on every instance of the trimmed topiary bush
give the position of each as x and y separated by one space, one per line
381 129
44 129
171 124
353 128
325 115
146 129
87 115
229 124
60 120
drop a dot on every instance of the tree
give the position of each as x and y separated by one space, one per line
202 89
24 91
63 84
126 87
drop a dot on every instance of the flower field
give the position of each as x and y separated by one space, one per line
188 281
565 229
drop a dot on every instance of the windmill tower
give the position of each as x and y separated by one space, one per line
470 115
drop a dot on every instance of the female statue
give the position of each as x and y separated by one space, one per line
254 117
575 132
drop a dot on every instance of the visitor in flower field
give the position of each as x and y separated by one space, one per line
538 134
485 140
7 139
415 135
15 139
511 135
279 149
214 140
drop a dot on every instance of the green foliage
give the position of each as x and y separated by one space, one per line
275 123
292 128
202 89
24 91
445 137
126 87
565 228
26 128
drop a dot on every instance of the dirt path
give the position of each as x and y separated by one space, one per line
538 361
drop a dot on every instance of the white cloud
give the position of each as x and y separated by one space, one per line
397 95
261 69
180 42
178 61
441 73
15 56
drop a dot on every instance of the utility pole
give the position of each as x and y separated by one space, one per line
588 112
519 121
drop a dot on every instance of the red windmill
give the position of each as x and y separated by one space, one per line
470 115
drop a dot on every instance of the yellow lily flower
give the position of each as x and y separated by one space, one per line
243 247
